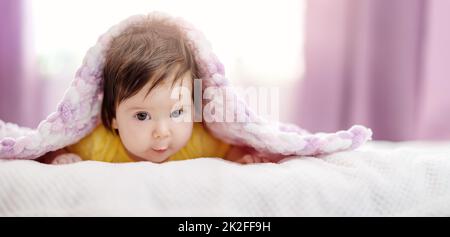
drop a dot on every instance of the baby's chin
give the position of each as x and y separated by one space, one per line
158 159
155 158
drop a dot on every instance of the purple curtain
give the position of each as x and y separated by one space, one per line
10 59
381 63
19 89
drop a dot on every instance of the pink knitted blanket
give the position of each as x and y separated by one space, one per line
77 114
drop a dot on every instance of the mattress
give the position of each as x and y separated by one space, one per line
379 179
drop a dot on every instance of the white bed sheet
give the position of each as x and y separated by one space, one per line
379 179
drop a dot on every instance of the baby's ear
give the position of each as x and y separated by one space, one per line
114 124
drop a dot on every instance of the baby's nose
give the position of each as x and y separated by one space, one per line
161 131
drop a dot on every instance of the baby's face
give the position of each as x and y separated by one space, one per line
156 126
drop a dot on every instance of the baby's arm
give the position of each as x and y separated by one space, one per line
244 155
59 157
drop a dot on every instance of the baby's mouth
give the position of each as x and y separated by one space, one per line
160 150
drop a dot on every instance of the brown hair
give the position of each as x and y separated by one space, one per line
145 52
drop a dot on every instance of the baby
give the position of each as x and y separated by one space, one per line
142 120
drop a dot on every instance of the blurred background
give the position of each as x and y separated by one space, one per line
384 64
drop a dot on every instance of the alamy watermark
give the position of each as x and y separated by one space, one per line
227 104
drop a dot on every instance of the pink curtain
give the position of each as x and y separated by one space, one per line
10 59
380 63
20 96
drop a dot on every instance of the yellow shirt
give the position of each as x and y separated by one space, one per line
103 145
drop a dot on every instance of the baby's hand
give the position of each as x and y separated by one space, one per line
66 158
245 155
249 159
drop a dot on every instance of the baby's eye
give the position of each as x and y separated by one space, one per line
142 116
176 113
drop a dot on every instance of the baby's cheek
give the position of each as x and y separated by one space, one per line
181 133
136 141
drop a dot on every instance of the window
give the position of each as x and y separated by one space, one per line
257 41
